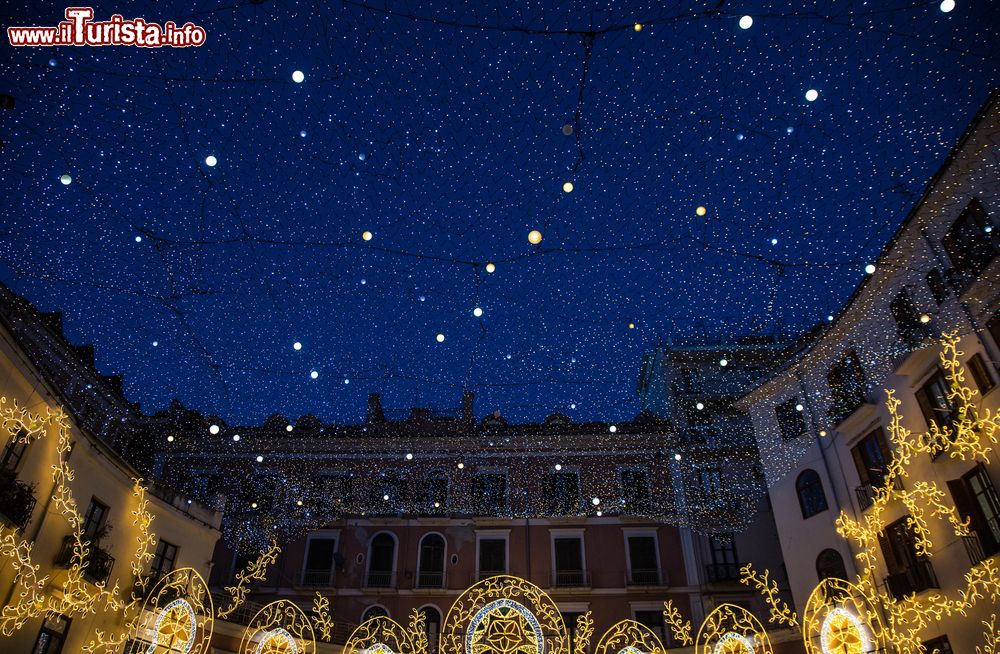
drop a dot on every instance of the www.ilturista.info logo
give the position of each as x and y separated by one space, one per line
80 29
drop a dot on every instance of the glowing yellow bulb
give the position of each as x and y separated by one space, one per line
366 235
924 319
534 237
490 267
568 187
298 502
637 27
631 325
701 211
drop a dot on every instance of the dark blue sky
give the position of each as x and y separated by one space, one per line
439 128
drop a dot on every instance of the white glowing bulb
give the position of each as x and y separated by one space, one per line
138 239
409 456
236 438
774 241
568 187
870 268
699 406
210 160
385 497
477 312
440 338
253 505
947 5
461 465
811 95
595 501
558 467
799 407
296 346
314 374
298 502
677 457
289 428
612 429
723 362
170 439
366 235
260 459
298 76
746 22
490 267
214 429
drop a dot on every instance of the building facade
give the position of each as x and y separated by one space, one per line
821 422
57 408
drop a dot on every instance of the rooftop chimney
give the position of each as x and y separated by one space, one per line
375 412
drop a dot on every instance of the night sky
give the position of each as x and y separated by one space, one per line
440 128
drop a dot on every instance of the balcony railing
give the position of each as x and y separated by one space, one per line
643 577
318 578
570 579
380 580
97 566
430 579
486 574
866 492
979 548
722 572
17 500
917 577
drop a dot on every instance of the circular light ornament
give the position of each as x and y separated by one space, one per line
700 406
534 237
746 22
298 77
477 312
723 362
947 6
558 467
612 429
924 319
811 95
366 235
596 501
66 179
439 338
870 269
843 633
277 640
637 27
175 627
490 267
568 187
799 407
677 457
314 374
700 211
210 160
260 459
213 430
733 643
409 456
296 346
461 466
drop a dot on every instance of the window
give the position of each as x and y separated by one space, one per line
830 565
374 611
653 620
939 645
321 557
568 564
908 572
711 481
94 521
437 492
812 499
871 459
492 557
725 564
635 490
969 246
52 635
164 559
643 561
490 493
935 404
381 561
563 492
790 420
908 326
14 451
847 386
938 286
977 501
993 326
980 374
432 628
430 572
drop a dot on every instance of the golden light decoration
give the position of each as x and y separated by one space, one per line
177 615
321 617
839 619
700 211
490 267
731 629
381 634
534 237
504 615
256 570
629 637
568 187
780 611
637 27
366 235
279 628
583 632
679 627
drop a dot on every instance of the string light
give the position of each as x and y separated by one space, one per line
210 161
66 179
298 76
568 187
366 235
746 22
534 237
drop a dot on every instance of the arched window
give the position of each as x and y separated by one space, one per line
432 627
811 496
431 564
374 611
830 565
381 561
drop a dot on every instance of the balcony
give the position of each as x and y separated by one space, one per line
318 578
17 500
643 577
97 566
570 579
380 580
918 576
866 492
486 574
722 572
430 579
979 548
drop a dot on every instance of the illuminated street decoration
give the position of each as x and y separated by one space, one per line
174 629
177 616
629 637
279 628
255 571
839 619
504 615
383 635
843 633
731 629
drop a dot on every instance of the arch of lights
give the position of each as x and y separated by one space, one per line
838 619
177 615
279 628
731 629
629 637
504 615
380 635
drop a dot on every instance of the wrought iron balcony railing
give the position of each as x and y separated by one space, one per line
380 580
17 500
917 577
643 577
570 579
866 492
318 578
430 579
722 572
96 567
